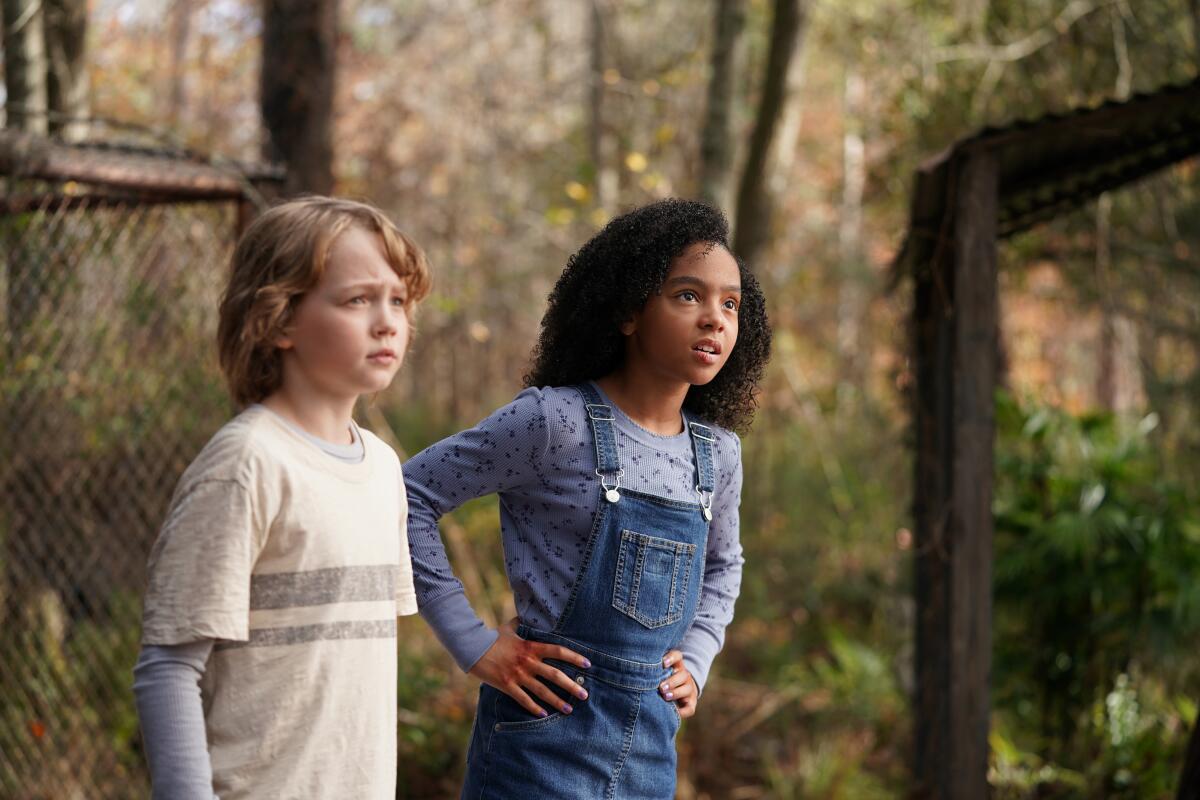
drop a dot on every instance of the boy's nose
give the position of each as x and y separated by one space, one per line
386 325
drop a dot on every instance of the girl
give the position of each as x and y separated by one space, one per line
619 481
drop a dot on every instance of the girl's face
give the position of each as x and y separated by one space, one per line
687 330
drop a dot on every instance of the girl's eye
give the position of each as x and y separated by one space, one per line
359 300
731 305
398 301
688 296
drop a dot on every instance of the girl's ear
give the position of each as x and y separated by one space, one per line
284 342
628 326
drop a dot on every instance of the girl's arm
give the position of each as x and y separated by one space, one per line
443 477
167 687
723 567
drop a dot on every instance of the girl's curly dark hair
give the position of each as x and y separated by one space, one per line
614 274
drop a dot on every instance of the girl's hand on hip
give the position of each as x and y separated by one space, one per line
517 667
680 688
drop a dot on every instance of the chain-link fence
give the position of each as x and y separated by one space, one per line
109 387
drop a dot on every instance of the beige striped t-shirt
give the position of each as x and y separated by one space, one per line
297 564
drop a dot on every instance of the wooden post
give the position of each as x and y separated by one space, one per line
956 323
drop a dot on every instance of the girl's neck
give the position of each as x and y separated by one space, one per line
325 420
653 405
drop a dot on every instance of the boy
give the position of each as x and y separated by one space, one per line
268 666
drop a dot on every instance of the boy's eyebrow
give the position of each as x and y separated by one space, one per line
694 280
367 284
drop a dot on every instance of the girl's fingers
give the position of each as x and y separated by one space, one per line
673 658
525 701
548 696
562 680
562 654
686 707
677 687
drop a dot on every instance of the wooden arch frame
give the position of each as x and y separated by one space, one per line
981 189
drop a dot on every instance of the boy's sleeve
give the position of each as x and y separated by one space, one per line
198 585
722 571
406 593
171 711
499 454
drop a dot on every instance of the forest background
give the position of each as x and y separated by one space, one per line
501 135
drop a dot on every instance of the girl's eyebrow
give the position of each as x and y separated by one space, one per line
689 279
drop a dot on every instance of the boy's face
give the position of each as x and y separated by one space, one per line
349 333
687 330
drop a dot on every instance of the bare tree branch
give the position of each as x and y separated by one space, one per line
1022 48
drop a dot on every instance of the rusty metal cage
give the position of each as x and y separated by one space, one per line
111 261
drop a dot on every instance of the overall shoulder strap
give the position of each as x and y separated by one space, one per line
600 417
702 442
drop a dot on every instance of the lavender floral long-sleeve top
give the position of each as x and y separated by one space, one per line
537 454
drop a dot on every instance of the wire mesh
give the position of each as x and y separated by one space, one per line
109 387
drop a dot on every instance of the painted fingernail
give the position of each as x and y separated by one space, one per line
583 694
669 696
542 712
665 686
566 708
586 664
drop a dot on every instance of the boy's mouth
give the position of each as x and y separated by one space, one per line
384 356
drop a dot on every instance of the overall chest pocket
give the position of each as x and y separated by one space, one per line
651 584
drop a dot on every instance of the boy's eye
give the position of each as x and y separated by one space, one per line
398 301
357 299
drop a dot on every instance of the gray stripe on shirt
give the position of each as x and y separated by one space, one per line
301 634
321 587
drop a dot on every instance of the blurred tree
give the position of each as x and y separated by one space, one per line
299 65
716 138
25 65
181 21
1189 778
67 78
752 229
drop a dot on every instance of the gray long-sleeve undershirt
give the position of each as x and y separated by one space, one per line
167 688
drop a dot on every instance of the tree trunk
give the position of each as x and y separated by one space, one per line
600 141
752 229
25 65
1195 9
66 78
1189 779
296 90
852 294
181 23
716 139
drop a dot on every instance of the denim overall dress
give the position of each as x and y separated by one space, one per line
635 596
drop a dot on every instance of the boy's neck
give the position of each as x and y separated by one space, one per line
653 404
325 420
